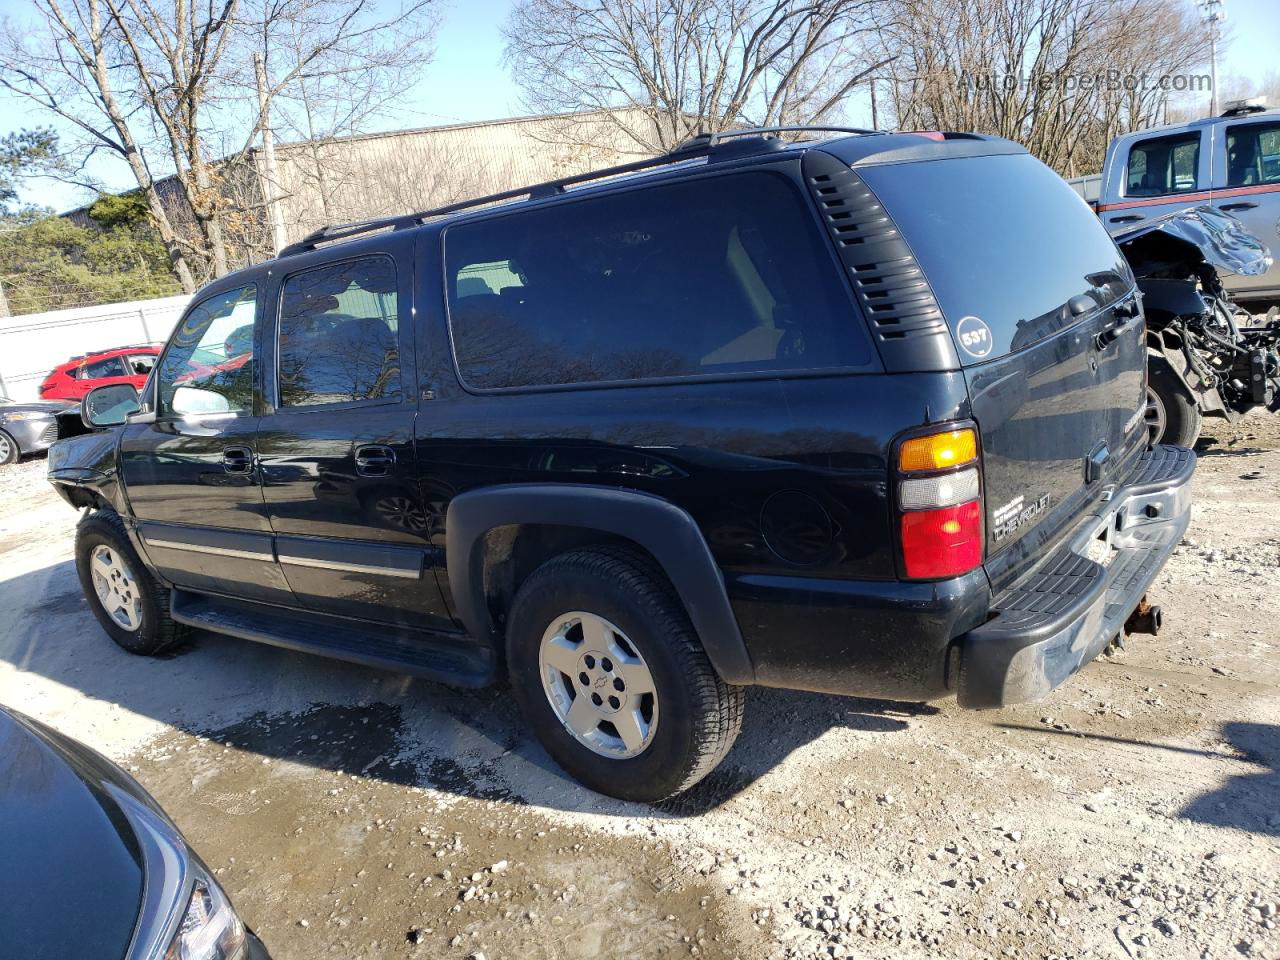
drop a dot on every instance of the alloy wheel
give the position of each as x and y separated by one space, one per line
598 685
116 586
1153 413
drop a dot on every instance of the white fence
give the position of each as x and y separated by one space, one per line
33 344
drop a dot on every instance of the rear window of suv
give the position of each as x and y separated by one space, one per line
1002 240
720 275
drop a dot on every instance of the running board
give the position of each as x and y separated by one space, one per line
458 662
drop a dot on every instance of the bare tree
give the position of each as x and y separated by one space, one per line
691 65
1060 76
332 69
67 72
168 86
1238 88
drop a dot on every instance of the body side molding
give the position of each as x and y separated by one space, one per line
657 525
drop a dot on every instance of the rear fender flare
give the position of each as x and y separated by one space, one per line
659 526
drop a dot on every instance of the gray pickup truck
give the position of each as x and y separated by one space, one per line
1231 162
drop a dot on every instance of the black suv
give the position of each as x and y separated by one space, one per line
861 415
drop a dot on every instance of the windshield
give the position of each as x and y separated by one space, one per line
1004 243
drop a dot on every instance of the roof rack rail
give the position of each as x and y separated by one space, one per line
709 140
697 146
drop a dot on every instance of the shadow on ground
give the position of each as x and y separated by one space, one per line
367 723
1249 802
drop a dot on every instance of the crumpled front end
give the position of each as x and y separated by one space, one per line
83 469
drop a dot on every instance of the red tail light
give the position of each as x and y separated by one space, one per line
940 496
942 543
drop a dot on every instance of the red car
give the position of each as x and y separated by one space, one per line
73 379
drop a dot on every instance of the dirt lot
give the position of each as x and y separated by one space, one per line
352 813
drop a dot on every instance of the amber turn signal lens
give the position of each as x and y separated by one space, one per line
938 451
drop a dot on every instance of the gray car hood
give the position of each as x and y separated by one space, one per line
1221 239
35 406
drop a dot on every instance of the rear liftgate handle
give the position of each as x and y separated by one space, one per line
374 460
1129 312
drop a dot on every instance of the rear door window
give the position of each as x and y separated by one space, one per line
108 367
1163 166
723 275
338 334
1253 154
1005 244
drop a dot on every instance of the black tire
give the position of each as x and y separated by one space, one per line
157 630
700 715
9 451
1172 414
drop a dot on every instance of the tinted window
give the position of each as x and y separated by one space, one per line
1164 165
721 275
110 367
208 367
1253 154
1002 239
338 334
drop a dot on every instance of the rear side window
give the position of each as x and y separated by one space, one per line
1005 245
1253 154
338 334
716 276
140 366
1163 166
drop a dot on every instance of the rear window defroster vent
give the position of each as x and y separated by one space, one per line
890 286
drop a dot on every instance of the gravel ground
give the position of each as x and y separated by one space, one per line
353 813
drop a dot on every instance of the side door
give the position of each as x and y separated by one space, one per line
190 472
1159 175
1246 184
335 443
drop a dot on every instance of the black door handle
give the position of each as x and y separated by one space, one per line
374 460
1127 218
1112 334
1242 205
237 460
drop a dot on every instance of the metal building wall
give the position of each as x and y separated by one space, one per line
392 173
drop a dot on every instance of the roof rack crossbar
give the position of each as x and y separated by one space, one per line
697 146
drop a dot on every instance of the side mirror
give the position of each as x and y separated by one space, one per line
193 401
109 406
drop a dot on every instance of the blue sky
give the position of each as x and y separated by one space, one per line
467 82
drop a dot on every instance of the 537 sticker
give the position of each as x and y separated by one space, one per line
974 336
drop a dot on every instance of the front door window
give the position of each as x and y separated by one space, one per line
208 368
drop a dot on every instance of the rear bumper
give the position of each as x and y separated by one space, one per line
1066 611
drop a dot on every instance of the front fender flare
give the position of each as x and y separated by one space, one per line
659 526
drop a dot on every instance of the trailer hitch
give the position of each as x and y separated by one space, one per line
1146 618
